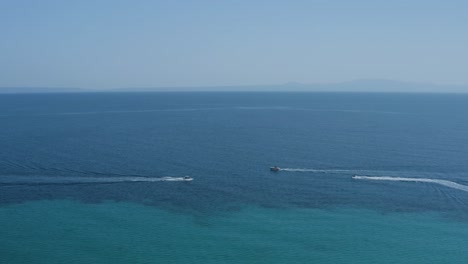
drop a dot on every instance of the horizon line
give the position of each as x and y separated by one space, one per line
291 83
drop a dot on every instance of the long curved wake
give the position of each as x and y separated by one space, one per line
49 180
446 183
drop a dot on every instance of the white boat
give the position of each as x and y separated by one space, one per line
187 178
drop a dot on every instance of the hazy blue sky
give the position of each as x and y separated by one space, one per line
111 43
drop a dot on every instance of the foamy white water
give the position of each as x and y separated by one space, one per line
77 180
446 183
317 170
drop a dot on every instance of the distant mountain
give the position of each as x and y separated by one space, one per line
364 85
15 90
377 85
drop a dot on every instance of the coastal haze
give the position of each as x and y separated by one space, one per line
352 86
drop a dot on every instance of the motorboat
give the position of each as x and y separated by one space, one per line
187 178
275 168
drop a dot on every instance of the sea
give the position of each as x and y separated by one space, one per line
364 178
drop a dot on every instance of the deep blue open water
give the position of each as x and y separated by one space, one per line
81 178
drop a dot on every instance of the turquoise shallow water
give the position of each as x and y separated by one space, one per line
71 232
81 178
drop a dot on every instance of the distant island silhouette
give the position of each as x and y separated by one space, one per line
362 85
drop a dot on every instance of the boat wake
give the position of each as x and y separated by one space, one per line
318 170
446 183
389 173
383 176
50 180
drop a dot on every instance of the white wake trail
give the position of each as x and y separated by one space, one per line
446 183
25 180
317 170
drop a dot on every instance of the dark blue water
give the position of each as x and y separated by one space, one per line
62 146
227 141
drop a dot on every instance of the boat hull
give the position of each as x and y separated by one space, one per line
274 169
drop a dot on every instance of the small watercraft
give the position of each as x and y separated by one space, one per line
275 168
187 178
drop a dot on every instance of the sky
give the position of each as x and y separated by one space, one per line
104 44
